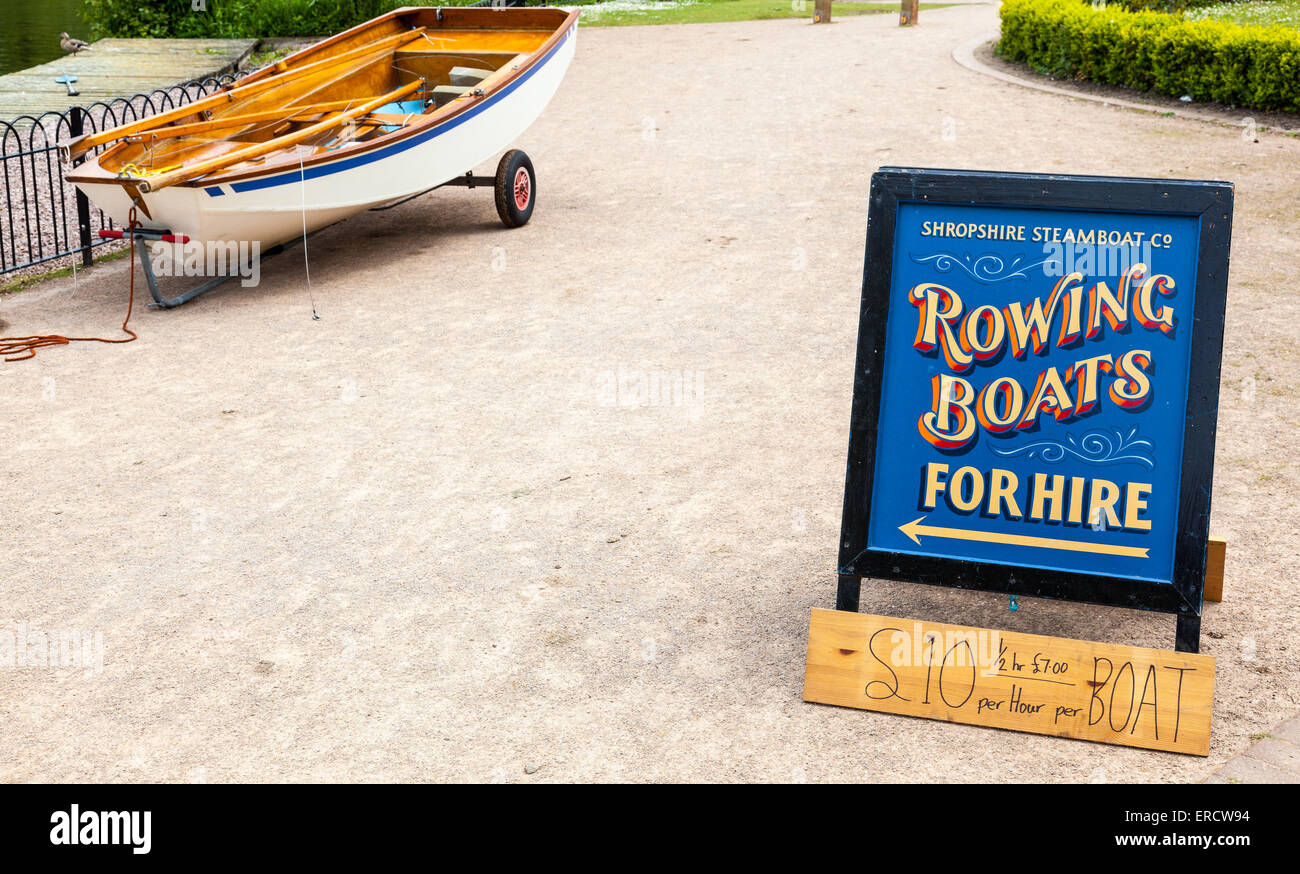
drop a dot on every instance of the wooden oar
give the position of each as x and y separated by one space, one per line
75 148
285 113
388 119
203 168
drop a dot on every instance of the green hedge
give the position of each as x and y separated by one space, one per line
1236 64
231 19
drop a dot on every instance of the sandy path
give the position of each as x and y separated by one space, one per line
377 546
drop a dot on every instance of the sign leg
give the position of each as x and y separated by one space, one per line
849 591
1188 636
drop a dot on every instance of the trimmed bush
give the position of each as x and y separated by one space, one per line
1236 64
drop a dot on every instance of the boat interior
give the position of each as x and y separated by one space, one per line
395 72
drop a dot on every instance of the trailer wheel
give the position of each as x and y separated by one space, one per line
516 189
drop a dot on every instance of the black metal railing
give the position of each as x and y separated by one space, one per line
42 216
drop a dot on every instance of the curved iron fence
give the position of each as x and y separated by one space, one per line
43 216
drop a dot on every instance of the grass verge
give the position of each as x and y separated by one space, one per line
27 280
624 12
1285 13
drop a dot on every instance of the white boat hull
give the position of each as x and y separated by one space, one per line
275 208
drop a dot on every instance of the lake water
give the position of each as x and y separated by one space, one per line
29 31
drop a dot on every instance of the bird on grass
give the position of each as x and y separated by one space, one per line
70 45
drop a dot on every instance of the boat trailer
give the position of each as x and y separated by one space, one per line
514 185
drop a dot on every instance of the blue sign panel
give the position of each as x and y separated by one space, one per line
1034 387
1036 390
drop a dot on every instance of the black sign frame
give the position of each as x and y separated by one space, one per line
1211 203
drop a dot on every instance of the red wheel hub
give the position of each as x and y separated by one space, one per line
523 188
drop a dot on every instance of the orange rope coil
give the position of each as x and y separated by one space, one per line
22 348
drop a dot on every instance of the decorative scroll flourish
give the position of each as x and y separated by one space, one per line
1099 446
986 268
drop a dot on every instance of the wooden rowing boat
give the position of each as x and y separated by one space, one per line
393 107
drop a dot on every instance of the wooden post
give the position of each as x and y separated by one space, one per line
822 12
1218 548
908 10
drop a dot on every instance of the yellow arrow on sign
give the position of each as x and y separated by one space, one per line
915 529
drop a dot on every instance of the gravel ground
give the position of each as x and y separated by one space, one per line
436 535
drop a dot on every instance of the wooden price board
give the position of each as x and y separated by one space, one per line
1026 682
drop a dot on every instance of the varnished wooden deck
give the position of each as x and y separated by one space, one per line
118 68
